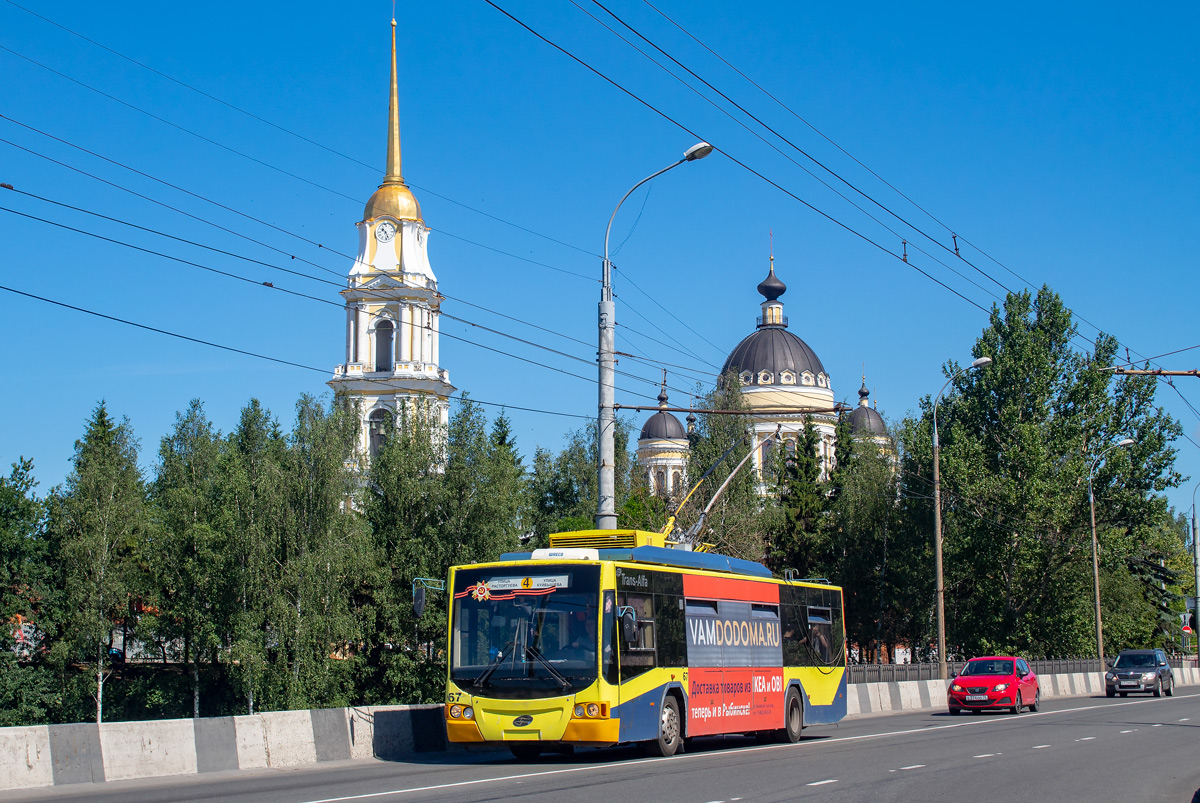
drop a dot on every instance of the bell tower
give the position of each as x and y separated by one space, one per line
392 305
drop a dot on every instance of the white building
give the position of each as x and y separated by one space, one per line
392 305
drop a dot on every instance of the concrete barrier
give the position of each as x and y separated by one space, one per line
82 753
148 749
25 757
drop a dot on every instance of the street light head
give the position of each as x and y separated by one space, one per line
982 361
1127 442
697 151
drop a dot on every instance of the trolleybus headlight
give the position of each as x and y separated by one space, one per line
456 711
593 710
468 713
579 710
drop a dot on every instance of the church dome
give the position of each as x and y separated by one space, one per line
776 352
394 200
864 420
773 356
663 426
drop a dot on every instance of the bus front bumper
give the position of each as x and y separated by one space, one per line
530 720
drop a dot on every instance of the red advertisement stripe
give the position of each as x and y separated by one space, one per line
702 587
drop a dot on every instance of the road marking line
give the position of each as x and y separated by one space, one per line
988 755
913 767
1156 725
1040 746
1086 739
1129 731
822 783
716 753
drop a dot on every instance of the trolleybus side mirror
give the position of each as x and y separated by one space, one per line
418 601
629 626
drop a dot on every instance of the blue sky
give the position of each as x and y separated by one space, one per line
1058 140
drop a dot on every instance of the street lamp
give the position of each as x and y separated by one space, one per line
606 507
937 519
1096 548
1196 565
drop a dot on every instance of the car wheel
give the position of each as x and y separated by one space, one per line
793 720
1037 701
525 752
1158 687
954 711
668 730
1124 694
1171 688
1110 693
1016 709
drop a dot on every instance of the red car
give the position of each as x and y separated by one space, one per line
994 682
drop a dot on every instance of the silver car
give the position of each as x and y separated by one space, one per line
1140 671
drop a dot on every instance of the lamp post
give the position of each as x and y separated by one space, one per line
606 507
1096 546
937 519
1196 566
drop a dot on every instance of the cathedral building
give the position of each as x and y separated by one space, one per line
783 381
392 305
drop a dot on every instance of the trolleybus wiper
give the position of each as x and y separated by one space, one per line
493 666
533 653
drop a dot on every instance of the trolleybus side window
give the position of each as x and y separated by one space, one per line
668 619
820 631
637 655
608 617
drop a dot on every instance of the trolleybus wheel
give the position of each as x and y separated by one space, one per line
525 752
793 718
669 737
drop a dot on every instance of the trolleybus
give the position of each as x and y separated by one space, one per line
611 637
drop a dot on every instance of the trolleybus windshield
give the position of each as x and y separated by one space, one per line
525 632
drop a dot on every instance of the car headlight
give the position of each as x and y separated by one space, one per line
593 710
1002 686
468 713
1149 675
456 711
1110 676
579 711
955 687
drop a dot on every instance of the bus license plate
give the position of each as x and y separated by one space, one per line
976 698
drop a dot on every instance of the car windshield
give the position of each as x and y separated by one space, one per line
988 667
524 633
1131 659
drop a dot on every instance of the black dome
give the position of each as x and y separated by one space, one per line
771 288
774 349
662 425
865 421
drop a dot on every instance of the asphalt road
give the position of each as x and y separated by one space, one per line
1134 750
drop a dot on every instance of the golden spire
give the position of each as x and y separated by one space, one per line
393 198
394 174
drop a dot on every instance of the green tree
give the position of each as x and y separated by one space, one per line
27 692
738 524
253 507
1018 440
100 521
188 557
800 541
436 497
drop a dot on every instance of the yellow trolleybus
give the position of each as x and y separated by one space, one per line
617 636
